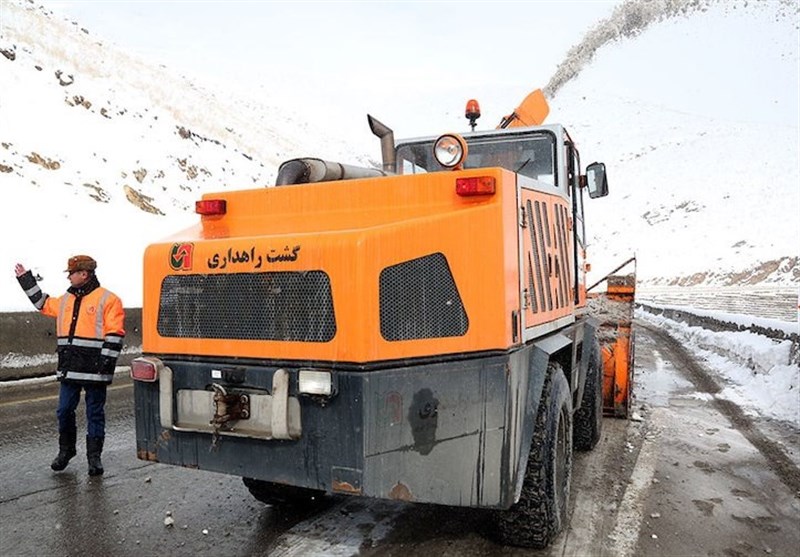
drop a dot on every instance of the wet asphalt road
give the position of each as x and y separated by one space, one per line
682 480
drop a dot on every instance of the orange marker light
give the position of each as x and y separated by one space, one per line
473 109
473 112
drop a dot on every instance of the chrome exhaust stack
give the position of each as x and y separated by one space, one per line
386 136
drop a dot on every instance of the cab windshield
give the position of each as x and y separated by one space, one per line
531 155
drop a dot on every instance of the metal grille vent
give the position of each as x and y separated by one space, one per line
288 306
419 299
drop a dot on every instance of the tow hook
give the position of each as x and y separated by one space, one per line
229 407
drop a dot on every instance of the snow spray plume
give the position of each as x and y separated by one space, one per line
634 16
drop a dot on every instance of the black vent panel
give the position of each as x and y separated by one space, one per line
419 299
287 306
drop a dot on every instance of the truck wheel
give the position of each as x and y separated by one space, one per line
280 494
541 512
589 418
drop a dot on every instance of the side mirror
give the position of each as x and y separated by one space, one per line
596 180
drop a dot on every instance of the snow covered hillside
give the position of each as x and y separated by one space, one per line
694 112
102 153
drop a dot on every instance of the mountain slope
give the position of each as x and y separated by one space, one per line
694 108
691 104
102 153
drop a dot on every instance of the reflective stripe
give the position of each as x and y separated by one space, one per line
35 293
62 308
84 342
96 377
33 290
98 315
114 339
109 352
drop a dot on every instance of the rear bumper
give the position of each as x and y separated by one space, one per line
450 432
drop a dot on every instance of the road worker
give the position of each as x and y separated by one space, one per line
90 330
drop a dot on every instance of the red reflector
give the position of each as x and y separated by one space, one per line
479 185
144 369
210 207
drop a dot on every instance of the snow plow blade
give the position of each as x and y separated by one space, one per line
614 310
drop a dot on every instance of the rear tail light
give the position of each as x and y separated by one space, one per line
146 369
479 185
210 207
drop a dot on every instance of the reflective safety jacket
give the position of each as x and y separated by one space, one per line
89 327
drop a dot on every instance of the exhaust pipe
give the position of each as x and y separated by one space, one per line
310 171
386 136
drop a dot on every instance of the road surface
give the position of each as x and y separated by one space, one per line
688 476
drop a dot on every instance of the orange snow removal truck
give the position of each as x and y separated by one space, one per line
416 332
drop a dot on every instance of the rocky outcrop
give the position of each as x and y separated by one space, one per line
79 100
10 53
97 193
64 80
142 201
45 162
783 270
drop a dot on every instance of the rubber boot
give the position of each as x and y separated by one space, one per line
66 450
94 448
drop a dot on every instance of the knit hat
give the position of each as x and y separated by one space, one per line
80 263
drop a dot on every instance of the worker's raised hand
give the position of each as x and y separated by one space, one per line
20 269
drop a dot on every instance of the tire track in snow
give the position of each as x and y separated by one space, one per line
777 460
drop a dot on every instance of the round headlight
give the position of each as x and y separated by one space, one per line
450 150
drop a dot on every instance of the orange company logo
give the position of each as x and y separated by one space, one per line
180 257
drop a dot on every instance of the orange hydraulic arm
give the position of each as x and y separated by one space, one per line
531 112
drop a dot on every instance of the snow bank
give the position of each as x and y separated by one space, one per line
755 371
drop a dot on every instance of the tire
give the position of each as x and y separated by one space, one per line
589 417
279 494
541 512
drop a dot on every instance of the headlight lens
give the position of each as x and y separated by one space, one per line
450 150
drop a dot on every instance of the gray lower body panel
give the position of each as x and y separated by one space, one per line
453 432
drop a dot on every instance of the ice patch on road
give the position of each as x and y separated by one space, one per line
659 385
341 532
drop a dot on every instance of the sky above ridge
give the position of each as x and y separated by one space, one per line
352 52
